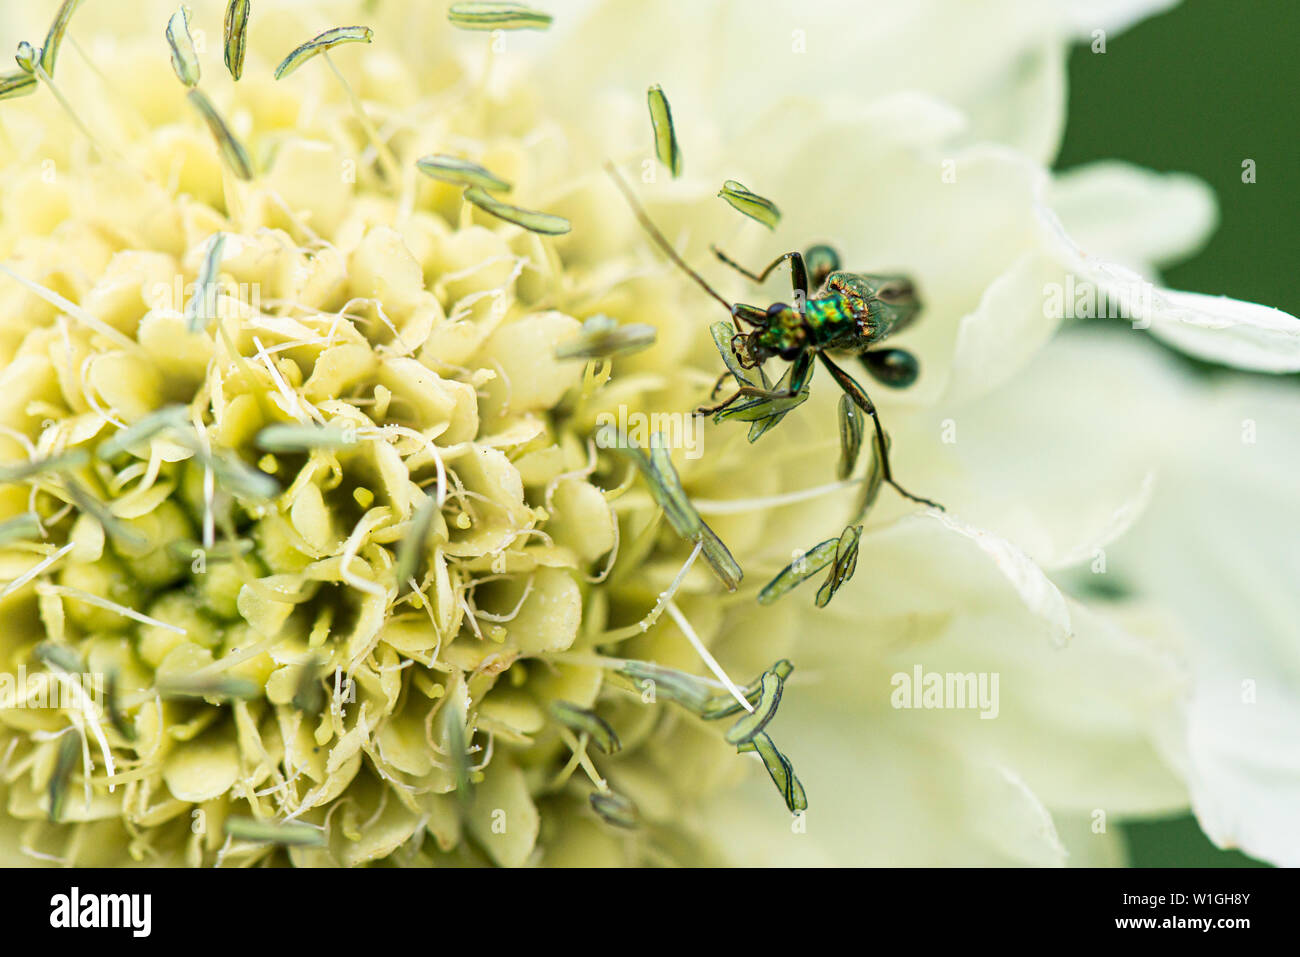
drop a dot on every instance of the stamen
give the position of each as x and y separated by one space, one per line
89 599
685 627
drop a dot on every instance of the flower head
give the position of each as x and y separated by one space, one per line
308 481
329 414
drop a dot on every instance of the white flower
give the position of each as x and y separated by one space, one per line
1213 543
985 248
911 136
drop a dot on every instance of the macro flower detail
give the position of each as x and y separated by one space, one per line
295 463
354 504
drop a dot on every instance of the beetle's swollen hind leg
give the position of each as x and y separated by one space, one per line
798 271
863 401
821 260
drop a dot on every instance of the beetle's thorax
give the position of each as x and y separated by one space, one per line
837 321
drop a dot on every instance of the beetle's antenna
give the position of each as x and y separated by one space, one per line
660 240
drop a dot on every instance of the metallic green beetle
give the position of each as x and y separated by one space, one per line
850 313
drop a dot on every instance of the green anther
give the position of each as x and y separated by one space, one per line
666 489
614 809
232 151
460 172
54 39
168 417
602 337
289 438
686 690
661 120
59 657
725 706
761 410
458 749
874 479
283 833
587 722
216 687
780 770
185 60
411 548
544 223
234 475
320 44
236 36
722 333
69 752
27 57
222 551
114 707
755 721
14 85
97 510
54 464
846 561
202 309
497 16
799 571
851 429
309 692
691 525
19 527
756 207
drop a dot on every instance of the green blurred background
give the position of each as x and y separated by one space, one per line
1200 89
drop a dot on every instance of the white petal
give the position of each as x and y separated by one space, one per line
1132 215
882 800
1040 596
722 62
1214 328
1218 547
1222 547
1007 328
1098 725
1024 105
1092 729
1084 16
1052 461
1228 331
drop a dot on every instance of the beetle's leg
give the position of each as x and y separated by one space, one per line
859 396
896 368
744 392
798 271
798 379
750 314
